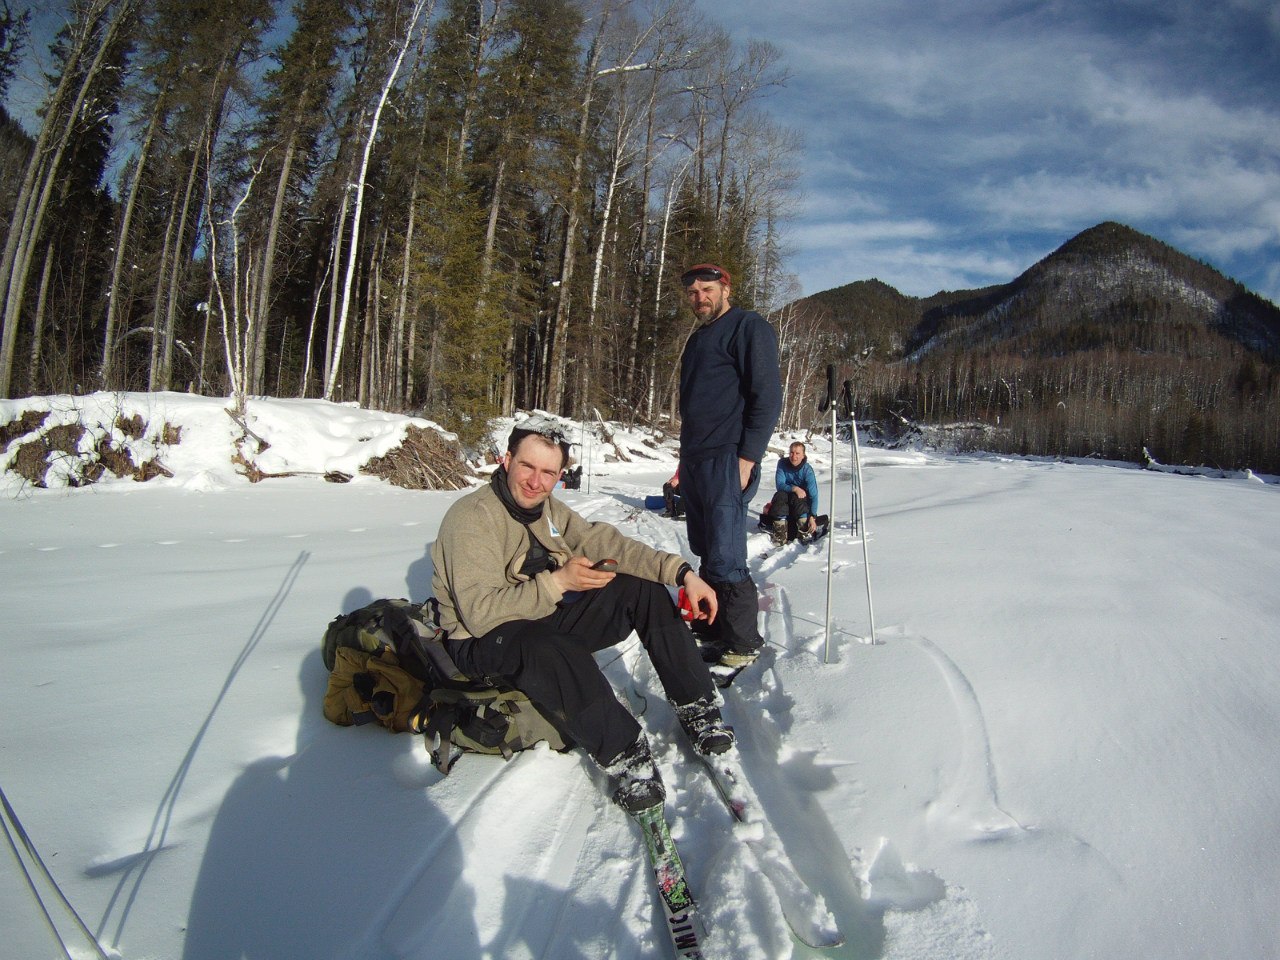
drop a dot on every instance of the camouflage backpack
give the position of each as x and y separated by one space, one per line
388 664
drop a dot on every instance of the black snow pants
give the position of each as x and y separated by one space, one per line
551 660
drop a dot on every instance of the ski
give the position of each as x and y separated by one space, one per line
679 910
724 676
805 911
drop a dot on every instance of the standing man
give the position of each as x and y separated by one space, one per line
730 400
522 602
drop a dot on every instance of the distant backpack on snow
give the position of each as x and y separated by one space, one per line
387 664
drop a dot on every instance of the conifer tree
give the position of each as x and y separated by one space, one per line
99 28
15 30
292 105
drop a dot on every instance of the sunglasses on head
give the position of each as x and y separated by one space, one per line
547 429
706 274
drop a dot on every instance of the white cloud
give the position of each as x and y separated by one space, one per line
843 233
1198 121
1220 196
937 130
1270 287
916 257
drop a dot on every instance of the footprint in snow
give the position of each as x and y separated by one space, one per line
892 885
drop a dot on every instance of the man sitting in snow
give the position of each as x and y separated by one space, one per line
522 603
797 496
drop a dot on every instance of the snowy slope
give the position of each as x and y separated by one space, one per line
1063 746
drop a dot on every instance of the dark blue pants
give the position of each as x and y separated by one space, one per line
716 515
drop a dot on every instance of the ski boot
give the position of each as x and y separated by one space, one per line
637 784
705 727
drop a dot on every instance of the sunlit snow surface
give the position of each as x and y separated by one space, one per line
1064 744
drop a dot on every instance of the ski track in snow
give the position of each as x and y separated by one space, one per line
738 906
868 899
493 907
577 840
971 802
741 909
414 909
968 807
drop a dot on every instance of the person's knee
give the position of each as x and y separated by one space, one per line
645 590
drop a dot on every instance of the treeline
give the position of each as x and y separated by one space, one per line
1117 405
1115 345
455 207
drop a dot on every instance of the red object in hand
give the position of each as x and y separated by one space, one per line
686 608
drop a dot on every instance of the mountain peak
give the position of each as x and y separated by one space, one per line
1110 285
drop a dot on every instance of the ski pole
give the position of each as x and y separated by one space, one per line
846 403
830 401
866 562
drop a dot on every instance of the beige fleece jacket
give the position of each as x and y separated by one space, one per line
481 548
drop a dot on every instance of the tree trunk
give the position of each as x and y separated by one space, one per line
405 329
311 329
41 175
597 269
38 326
258 361
642 241
572 221
162 327
354 248
335 261
107 372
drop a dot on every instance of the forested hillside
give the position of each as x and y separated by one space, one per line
1113 345
460 208
457 207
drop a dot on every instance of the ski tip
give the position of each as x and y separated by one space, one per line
815 927
822 943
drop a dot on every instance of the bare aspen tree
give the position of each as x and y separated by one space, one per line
626 120
235 308
673 188
558 334
107 370
419 8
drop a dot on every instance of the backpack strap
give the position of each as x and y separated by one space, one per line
362 683
420 643
438 733
476 714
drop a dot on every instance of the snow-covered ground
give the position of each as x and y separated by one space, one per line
1064 744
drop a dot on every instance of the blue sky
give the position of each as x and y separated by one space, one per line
952 145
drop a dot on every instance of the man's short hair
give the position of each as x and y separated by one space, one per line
799 444
543 428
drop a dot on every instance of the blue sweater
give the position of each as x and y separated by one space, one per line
801 476
730 387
